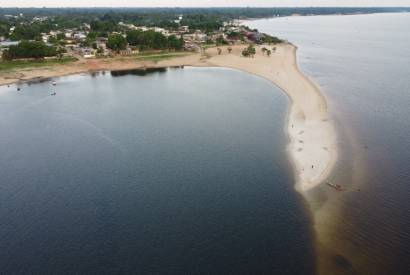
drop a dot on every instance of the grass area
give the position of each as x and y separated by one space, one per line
207 46
160 56
22 64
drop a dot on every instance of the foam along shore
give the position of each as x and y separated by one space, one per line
312 146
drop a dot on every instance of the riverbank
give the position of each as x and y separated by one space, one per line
312 146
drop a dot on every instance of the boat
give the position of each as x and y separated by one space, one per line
54 83
335 186
53 93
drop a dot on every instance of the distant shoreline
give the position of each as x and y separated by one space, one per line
312 138
243 21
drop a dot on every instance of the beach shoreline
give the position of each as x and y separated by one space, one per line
312 139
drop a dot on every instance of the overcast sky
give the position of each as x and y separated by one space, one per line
200 3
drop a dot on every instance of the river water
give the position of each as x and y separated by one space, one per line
362 63
170 171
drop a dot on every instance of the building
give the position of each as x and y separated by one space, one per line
87 52
255 36
101 42
80 36
6 44
191 46
45 37
183 29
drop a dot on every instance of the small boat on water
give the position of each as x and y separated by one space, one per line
53 93
54 83
335 186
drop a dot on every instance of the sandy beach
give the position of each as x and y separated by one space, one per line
312 146
312 139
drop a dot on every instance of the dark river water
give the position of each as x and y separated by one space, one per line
362 63
176 171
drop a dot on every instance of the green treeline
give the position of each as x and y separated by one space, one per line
29 49
146 40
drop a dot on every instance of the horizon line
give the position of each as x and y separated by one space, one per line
203 7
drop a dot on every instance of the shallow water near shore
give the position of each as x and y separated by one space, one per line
361 63
171 171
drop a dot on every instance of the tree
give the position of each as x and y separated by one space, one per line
25 32
154 40
268 52
175 43
251 50
116 42
220 40
209 41
4 29
160 41
135 37
245 52
29 49
60 52
233 35
60 36
52 39
267 39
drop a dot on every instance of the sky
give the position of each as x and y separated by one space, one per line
202 3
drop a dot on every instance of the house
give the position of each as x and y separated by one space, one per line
142 28
39 19
190 46
199 36
80 36
101 42
183 29
4 45
161 30
86 52
45 37
255 36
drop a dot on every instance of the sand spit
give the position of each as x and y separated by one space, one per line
312 146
